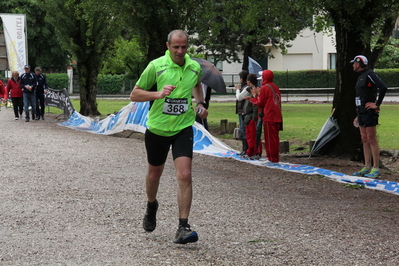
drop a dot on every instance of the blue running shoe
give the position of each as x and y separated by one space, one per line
362 172
374 173
184 235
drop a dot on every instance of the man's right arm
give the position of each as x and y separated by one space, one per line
140 95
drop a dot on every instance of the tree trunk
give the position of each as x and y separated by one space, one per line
348 143
88 73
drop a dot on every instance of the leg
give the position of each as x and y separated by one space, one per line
185 190
272 141
15 107
26 106
152 181
366 147
33 104
157 151
182 150
371 133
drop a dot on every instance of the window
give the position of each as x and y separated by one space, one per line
332 61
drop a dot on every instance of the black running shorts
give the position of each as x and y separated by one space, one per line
159 146
369 118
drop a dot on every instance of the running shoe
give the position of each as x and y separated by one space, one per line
374 173
150 219
362 172
184 235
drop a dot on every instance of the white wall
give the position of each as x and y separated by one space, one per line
310 50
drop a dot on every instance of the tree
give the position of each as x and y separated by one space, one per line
43 46
355 21
228 27
151 21
87 29
390 56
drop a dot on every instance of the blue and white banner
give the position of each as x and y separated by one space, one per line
134 117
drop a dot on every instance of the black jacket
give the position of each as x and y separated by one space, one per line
28 79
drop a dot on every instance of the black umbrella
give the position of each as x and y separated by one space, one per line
329 131
211 76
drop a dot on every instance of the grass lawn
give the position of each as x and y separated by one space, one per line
302 122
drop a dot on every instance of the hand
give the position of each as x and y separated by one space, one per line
201 111
356 122
371 105
246 97
166 91
238 87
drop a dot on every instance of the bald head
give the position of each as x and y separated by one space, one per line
178 33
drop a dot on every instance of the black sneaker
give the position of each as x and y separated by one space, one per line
184 235
150 219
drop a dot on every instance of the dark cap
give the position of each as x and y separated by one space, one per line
27 66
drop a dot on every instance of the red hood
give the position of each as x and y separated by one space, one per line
267 76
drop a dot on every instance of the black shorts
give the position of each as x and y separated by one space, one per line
158 146
369 118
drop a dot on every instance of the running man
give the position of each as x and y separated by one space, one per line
170 121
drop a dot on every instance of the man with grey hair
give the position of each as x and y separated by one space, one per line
170 119
368 109
41 90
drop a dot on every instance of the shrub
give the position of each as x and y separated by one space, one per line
57 81
110 84
305 79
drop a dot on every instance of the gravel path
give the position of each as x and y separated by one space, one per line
75 198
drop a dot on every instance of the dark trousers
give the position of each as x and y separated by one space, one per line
40 107
18 105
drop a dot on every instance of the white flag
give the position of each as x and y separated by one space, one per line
15 36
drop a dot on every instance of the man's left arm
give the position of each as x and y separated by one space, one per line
199 97
382 91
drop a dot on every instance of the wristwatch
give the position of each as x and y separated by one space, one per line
203 104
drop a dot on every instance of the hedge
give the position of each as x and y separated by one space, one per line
114 84
325 78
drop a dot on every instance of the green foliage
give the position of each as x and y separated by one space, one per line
305 79
389 76
325 78
110 84
57 81
43 45
390 55
227 27
353 186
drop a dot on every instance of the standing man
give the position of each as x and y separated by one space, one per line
368 108
41 89
170 121
28 81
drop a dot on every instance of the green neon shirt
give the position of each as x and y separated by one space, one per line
168 116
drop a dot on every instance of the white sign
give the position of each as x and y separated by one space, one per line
15 35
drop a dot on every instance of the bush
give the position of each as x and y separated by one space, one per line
110 84
57 81
305 79
389 76
325 78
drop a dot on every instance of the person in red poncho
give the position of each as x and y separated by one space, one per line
269 103
3 92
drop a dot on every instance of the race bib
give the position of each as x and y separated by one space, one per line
358 102
175 106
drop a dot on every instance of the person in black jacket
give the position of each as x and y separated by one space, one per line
41 89
28 81
368 108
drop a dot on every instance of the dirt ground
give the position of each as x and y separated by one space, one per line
70 197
